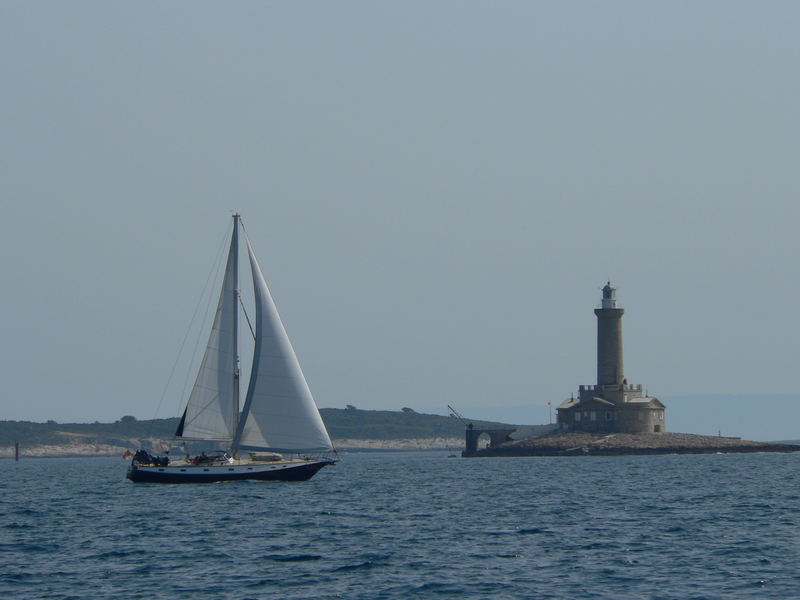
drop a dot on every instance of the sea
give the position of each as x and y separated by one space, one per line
407 525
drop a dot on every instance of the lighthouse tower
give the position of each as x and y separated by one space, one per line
610 364
612 405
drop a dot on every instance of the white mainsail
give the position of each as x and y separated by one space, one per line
279 412
212 410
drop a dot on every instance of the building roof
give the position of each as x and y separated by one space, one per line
568 403
587 404
602 403
647 401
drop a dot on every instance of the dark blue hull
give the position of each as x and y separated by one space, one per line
194 474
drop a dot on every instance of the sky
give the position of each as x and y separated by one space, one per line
436 193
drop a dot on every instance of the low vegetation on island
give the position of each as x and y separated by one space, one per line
352 428
349 428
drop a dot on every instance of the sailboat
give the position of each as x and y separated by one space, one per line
279 433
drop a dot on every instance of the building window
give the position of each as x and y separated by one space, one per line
661 415
577 416
609 415
593 415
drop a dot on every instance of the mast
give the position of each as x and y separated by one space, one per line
235 251
212 411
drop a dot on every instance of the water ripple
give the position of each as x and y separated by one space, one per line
410 525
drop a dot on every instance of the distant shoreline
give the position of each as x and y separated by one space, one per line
78 450
574 444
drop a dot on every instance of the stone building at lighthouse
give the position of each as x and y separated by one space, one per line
612 405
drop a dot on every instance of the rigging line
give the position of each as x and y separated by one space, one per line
244 310
209 302
246 316
214 268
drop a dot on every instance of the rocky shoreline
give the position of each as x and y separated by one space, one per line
587 444
82 449
561 444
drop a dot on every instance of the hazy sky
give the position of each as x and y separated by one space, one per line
436 192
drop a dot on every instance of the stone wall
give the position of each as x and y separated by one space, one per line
634 419
619 419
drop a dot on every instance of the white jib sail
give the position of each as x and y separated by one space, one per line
210 412
279 412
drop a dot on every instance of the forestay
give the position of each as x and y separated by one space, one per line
279 412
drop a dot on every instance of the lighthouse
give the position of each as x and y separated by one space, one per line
612 405
610 363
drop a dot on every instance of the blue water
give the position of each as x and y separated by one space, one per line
410 525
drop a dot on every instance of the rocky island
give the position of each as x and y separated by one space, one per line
615 444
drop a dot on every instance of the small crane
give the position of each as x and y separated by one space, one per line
455 413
